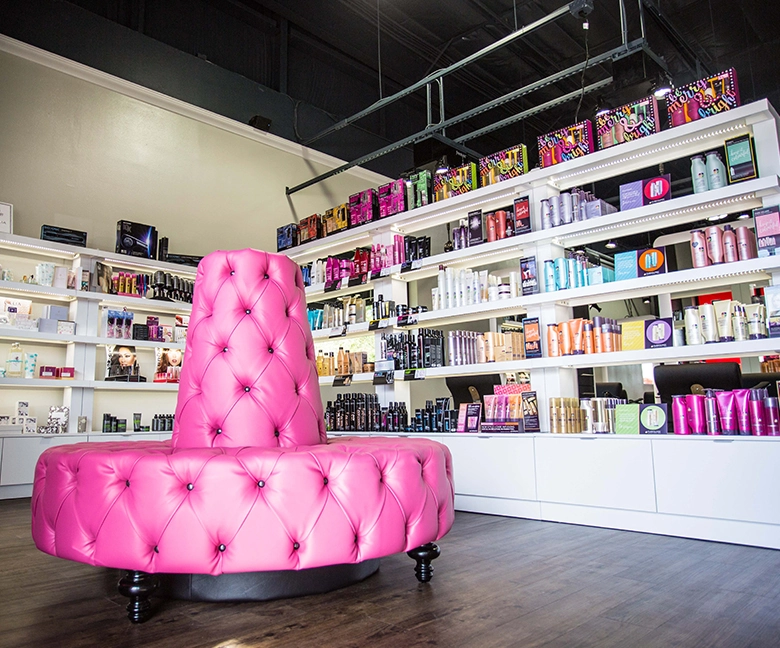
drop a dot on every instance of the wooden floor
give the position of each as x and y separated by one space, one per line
500 582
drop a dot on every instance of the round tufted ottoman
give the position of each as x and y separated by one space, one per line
249 482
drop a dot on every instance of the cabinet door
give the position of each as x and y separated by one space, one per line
492 466
726 479
593 471
20 454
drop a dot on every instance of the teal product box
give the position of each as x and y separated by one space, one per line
625 265
600 275
659 333
641 419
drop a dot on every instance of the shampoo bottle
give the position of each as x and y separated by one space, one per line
699 249
716 171
730 251
699 174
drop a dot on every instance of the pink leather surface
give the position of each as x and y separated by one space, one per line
249 481
249 375
127 505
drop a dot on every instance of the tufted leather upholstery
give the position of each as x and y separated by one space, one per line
228 494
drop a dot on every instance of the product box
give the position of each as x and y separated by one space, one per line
530 407
65 327
625 265
454 182
641 419
363 207
533 337
566 144
310 229
600 275
56 312
658 333
529 277
191 260
418 189
598 207
476 227
767 222
633 335
63 235
392 198
645 192
702 98
47 325
60 277
286 237
136 239
741 158
470 417
522 216
772 301
627 123
336 219
506 164
22 408
644 263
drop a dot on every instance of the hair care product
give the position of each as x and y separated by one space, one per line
699 174
588 337
711 413
755 322
692 326
561 274
566 208
699 249
564 333
491 227
709 327
697 420
546 214
549 276
716 171
772 414
756 409
555 210
730 251
727 412
553 341
724 319
571 272
746 243
598 341
714 237
577 333
680 415
739 323
741 399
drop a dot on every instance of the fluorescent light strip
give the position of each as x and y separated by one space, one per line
52 252
658 149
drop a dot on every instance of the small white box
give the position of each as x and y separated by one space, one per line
29 424
22 408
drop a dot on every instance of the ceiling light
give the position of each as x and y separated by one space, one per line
442 167
662 86
611 244
717 217
743 216
647 300
601 106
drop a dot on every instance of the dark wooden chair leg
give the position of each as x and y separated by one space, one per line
423 556
138 587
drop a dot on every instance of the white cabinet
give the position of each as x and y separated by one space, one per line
593 471
729 479
20 454
135 436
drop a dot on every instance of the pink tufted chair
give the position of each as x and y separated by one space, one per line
249 499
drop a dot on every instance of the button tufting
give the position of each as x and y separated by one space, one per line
265 276
248 311
246 389
127 483
190 486
156 550
325 481
261 483
276 433
218 431
232 272
270 350
296 546
356 539
222 547
224 350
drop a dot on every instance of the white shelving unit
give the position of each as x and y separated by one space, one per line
86 394
586 479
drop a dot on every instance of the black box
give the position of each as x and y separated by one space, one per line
184 259
63 235
286 237
140 332
136 239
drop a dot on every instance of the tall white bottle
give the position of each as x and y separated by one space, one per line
699 174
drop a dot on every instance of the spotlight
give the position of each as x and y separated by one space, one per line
601 106
743 216
717 217
647 300
662 86
611 244
442 168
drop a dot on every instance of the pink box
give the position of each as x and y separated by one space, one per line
703 98
362 207
566 144
392 198
627 123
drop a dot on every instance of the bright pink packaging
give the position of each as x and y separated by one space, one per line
566 144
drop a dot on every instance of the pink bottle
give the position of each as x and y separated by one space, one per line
730 250
680 415
699 249
714 237
746 243
697 420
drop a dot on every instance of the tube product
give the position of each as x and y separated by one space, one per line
680 415
709 327
741 397
714 237
697 421
711 413
577 334
755 320
699 249
692 326
724 319
772 413
726 411
756 408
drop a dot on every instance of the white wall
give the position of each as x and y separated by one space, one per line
82 149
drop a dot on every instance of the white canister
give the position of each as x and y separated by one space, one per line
692 326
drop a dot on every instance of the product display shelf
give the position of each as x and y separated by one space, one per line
43 383
137 303
124 435
349 330
317 292
66 435
35 337
43 292
112 385
139 344
327 381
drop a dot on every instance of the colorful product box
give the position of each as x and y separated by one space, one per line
363 207
522 216
645 192
529 404
635 418
392 198
336 219
286 237
533 337
566 144
659 333
633 335
504 165
529 277
629 122
418 189
310 229
600 275
643 263
702 98
772 301
454 182
767 220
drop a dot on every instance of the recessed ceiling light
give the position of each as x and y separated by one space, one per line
717 217
743 216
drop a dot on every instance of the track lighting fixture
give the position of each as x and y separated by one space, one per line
647 300
601 106
611 244
662 86
442 166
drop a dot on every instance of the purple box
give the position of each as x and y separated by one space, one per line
658 333
703 98
362 207
565 144
645 192
392 198
627 123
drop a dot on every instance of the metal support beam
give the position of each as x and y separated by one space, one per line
682 45
284 40
561 11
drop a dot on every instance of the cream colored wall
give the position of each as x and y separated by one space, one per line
78 155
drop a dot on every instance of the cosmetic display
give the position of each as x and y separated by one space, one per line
572 206
709 96
310 229
580 336
767 221
566 144
645 192
335 219
391 198
516 412
503 165
644 263
363 207
583 416
724 320
574 271
628 122
410 351
743 412
345 310
714 245
455 181
741 158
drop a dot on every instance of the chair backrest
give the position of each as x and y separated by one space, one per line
249 376
678 379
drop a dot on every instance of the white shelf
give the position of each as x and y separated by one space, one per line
673 143
353 330
35 337
137 303
44 383
111 385
34 290
138 344
327 381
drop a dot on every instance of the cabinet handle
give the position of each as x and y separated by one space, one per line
588 439
723 440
